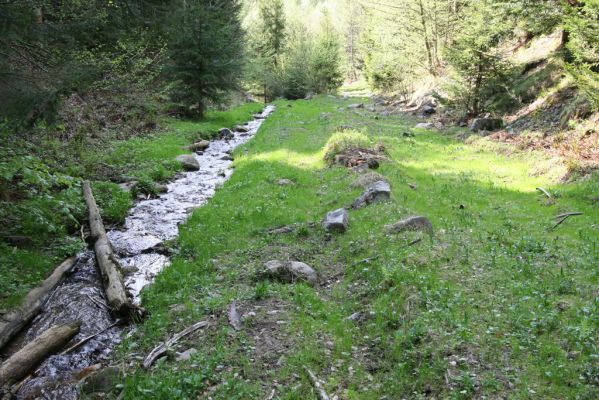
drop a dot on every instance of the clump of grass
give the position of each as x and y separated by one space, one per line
344 141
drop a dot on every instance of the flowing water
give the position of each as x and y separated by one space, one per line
80 297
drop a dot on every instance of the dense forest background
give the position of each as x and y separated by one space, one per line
78 76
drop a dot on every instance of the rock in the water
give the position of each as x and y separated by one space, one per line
242 128
355 106
414 223
189 162
377 191
199 146
226 158
290 271
425 125
102 381
285 182
336 221
486 124
186 355
225 133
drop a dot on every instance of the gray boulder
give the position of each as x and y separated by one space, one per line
375 192
242 128
486 124
189 162
414 223
290 271
336 221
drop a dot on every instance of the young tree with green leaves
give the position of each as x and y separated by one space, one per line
326 61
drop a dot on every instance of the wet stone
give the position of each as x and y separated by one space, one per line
189 162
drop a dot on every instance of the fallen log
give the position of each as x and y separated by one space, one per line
107 262
161 349
35 352
12 323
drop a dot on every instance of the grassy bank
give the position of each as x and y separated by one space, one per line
41 206
496 305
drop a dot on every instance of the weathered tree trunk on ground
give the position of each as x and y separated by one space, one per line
113 284
12 323
34 353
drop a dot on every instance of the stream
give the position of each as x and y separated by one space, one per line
80 296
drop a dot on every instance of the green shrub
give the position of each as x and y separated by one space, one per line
343 141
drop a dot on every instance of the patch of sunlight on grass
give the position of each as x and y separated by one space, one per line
303 161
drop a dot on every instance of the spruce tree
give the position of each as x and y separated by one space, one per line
206 51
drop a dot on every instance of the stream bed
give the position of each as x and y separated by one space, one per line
80 296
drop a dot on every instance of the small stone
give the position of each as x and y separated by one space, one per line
290 271
285 182
355 106
414 223
336 221
242 128
377 191
189 162
199 146
425 125
186 355
226 158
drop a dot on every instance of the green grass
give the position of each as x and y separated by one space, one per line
497 304
41 200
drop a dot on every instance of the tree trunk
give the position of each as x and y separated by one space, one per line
12 324
427 43
35 352
107 262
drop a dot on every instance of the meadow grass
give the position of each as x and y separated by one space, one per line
495 305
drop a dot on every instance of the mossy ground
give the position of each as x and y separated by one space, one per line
496 305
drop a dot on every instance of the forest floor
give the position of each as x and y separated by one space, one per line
497 304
